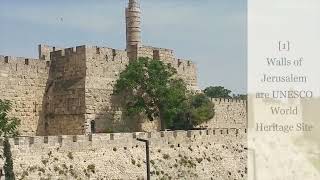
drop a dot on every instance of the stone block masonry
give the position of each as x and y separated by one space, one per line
229 113
103 110
23 81
66 97
186 69
45 50
219 154
69 91
104 66
65 92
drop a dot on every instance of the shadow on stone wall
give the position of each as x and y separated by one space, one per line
43 116
114 119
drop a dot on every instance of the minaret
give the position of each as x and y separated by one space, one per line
133 28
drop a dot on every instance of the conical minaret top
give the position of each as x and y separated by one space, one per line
133 27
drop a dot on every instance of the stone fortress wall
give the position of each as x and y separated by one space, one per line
65 92
23 81
90 72
186 69
68 89
219 154
229 113
68 92
104 66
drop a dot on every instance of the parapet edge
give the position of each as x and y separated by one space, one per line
228 100
68 51
124 137
23 61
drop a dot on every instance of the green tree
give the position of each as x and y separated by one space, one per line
198 109
151 87
202 109
8 128
217 92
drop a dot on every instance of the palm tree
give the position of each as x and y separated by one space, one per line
8 128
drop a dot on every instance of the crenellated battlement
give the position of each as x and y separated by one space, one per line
23 81
96 52
67 52
226 100
22 63
156 53
229 113
168 56
107 54
22 60
183 64
102 49
65 97
161 50
45 50
115 138
79 82
108 154
117 54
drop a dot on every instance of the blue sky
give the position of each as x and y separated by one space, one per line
210 32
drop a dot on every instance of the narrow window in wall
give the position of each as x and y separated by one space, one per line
26 61
93 126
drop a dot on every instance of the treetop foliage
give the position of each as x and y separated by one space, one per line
222 92
217 92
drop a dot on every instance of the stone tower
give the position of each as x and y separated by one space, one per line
133 28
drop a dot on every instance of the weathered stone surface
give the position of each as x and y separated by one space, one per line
229 113
72 90
207 154
69 92
23 81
